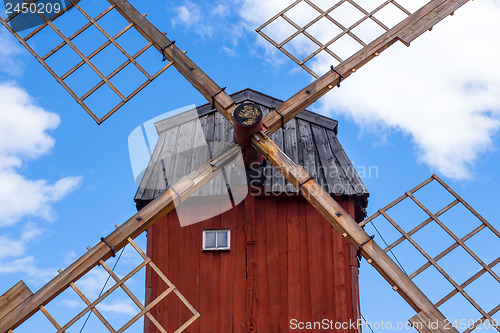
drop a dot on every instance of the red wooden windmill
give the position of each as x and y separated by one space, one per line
254 133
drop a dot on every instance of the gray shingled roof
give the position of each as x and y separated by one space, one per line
309 139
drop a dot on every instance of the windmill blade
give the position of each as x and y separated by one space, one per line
435 225
199 79
176 58
14 313
406 31
354 233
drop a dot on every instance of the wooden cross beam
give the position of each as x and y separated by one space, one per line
406 31
18 312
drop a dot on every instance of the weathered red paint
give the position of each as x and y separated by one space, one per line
244 128
286 262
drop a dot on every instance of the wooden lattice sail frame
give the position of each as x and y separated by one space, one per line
105 80
459 242
20 292
406 31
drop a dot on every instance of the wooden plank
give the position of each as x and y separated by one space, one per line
283 253
422 19
291 147
240 294
227 273
251 261
261 316
273 265
344 223
278 182
422 24
186 67
132 228
306 301
315 243
328 161
294 273
149 169
351 175
13 298
307 149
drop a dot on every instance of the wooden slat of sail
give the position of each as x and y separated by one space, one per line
407 30
13 298
132 228
186 67
347 226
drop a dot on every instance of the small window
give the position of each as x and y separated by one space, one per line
216 240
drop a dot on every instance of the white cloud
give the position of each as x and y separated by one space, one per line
210 20
442 92
13 258
120 307
24 134
28 268
191 15
10 52
92 283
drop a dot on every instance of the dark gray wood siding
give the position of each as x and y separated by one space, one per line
309 139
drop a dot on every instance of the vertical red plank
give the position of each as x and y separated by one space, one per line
216 286
283 253
304 234
207 294
239 277
262 293
251 261
192 254
273 266
356 314
316 248
294 273
339 277
328 269
228 220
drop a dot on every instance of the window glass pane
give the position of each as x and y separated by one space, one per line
210 239
222 238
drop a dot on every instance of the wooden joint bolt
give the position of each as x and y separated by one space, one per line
370 261
345 234
396 288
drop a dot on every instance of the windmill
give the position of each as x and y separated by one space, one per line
19 303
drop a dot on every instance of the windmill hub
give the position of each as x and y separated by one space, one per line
247 122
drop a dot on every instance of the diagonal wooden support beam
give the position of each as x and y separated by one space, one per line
135 226
345 224
186 67
406 31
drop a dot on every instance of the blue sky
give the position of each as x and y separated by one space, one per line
65 182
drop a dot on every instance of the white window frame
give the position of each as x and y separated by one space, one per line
216 248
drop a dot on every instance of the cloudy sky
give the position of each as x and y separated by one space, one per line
64 182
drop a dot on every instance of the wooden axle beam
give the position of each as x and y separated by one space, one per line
186 67
406 31
135 226
347 226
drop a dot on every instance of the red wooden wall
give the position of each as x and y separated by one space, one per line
286 262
